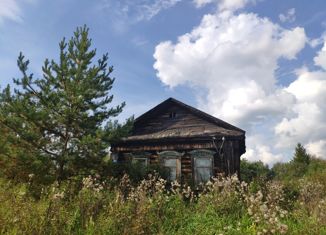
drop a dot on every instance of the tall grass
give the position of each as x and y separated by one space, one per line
154 206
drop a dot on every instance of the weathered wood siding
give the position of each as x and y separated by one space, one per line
227 163
183 119
186 168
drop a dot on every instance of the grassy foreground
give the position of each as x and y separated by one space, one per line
224 206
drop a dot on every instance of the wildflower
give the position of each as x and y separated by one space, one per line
58 196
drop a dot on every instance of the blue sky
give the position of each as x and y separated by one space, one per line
258 64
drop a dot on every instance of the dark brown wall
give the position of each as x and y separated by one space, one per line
163 121
228 163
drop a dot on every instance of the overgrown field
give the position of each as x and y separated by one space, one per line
56 177
153 206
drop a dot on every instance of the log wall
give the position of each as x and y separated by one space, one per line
227 163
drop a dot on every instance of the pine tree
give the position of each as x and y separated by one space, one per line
301 155
60 117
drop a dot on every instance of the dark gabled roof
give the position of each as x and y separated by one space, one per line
170 101
190 128
211 127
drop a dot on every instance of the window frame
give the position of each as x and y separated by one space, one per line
135 160
168 155
177 167
134 156
202 154
195 168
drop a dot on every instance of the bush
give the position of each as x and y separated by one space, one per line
136 171
250 171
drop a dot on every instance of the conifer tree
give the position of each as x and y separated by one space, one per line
301 156
60 117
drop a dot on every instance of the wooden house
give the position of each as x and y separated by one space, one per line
192 144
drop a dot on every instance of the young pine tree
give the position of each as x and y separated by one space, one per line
301 155
60 117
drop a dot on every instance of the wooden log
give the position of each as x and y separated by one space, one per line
186 170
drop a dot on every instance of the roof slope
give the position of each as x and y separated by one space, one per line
152 112
155 124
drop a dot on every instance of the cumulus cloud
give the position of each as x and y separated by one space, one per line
308 122
289 16
261 150
232 59
263 153
317 148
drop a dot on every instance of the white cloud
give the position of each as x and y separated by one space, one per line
263 153
9 9
234 59
317 148
320 59
200 3
225 5
12 10
148 10
308 122
231 59
314 42
259 150
127 12
289 16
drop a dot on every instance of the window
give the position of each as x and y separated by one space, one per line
202 165
171 160
174 167
173 115
140 160
203 168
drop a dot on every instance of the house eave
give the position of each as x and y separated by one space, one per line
172 143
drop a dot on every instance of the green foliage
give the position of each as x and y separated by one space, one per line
136 171
115 206
55 124
281 170
250 171
296 168
288 171
301 156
